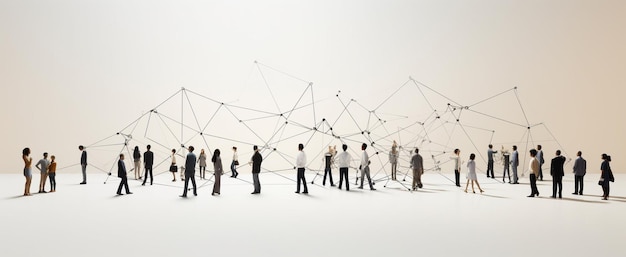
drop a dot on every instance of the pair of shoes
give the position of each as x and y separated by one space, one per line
83 183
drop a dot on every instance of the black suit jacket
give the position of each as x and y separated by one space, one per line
256 162
83 158
121 169
148 159
556 167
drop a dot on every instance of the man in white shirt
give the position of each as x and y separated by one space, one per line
300 163
365 167
343 161
42 165
457 167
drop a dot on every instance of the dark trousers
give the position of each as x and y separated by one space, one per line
256 182
191 177
533 185
578 183
302 179
330 174
457 177
557 182
202 172
53 180
490 169
343 174
606 188
506 172
145 176
123 183
540 172
233 169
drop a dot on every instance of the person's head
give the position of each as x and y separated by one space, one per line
52 158
173 151
235 148
558 152
538 147
121 156
136 148
606 157
344 147
514 148
490 146
45 155
533 152
80 147
457 151
216 154
472 156
579 153
201 151
417 150
148 147
26 151
255 148
363 146
330 148
191 149
300 147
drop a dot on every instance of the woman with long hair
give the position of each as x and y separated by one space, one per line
471 174
202 164
607 176
217 167
137 159
28 172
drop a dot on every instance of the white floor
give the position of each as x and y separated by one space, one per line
439 220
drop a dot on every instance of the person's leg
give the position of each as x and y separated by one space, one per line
126 185
298 181
84 171
369 179
541 172
362 177
257 183
560 186
119 188
186 186
345 174
467 184
582 184
306 189
340 177
414 184
514 174
457 177
193 182
533 184
481 190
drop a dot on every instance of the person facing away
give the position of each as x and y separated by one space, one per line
471 174
606 176
457 167
417 165
556 170
137 162
190 172
300 166
234 163
148 162
365 167
490 153
514 165
52 171
42 166
328 162
343 160
173 166
256 161
393 160
541 162
83 163
534 172
219 171
202 163
580 169
121 173
28 172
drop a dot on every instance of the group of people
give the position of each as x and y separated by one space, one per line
47 169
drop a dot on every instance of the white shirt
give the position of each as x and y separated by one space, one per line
457 160
235 158
365 160
343 159
301 160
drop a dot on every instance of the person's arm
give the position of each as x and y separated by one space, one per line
38 166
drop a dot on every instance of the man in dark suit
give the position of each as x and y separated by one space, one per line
556 170
148 161
580 169
256 169
541 162
190 172
121 173
83 163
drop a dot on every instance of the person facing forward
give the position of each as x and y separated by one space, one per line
490 153
457 167
148 161
541 162
256 169
190 172
28 172
580 169
121 173
328 163
300 164
556 170
219 171
42 166
393 160
417 164
534 172
52 171
365 167
83 163
343 161
234 164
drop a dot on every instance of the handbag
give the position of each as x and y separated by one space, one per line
236 162
173 168
601 181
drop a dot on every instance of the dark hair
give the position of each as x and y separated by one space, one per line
26 151
533 152
538 147
364 146
417 150
191 148
121 155
456 150
216 154
580 153
173 150
45 154
255 148
514 147
558 152
80 147
235 148
344 147
472 156
490 146
300 146
606 157
148 146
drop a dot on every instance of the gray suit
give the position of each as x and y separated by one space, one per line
417 163
580 169
514 165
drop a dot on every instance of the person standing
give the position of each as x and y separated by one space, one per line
343 161
148 162
300 166
42 166
514 164
534 172
556 170
256 169
121 173
329 159
471 174
606 176
137 162
490 153
28 172
52 171
202 164
365 167
580 169
457 167
393 160
190 172
234 164
83 163
506 162
417 164
173 167
219 171
541 162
